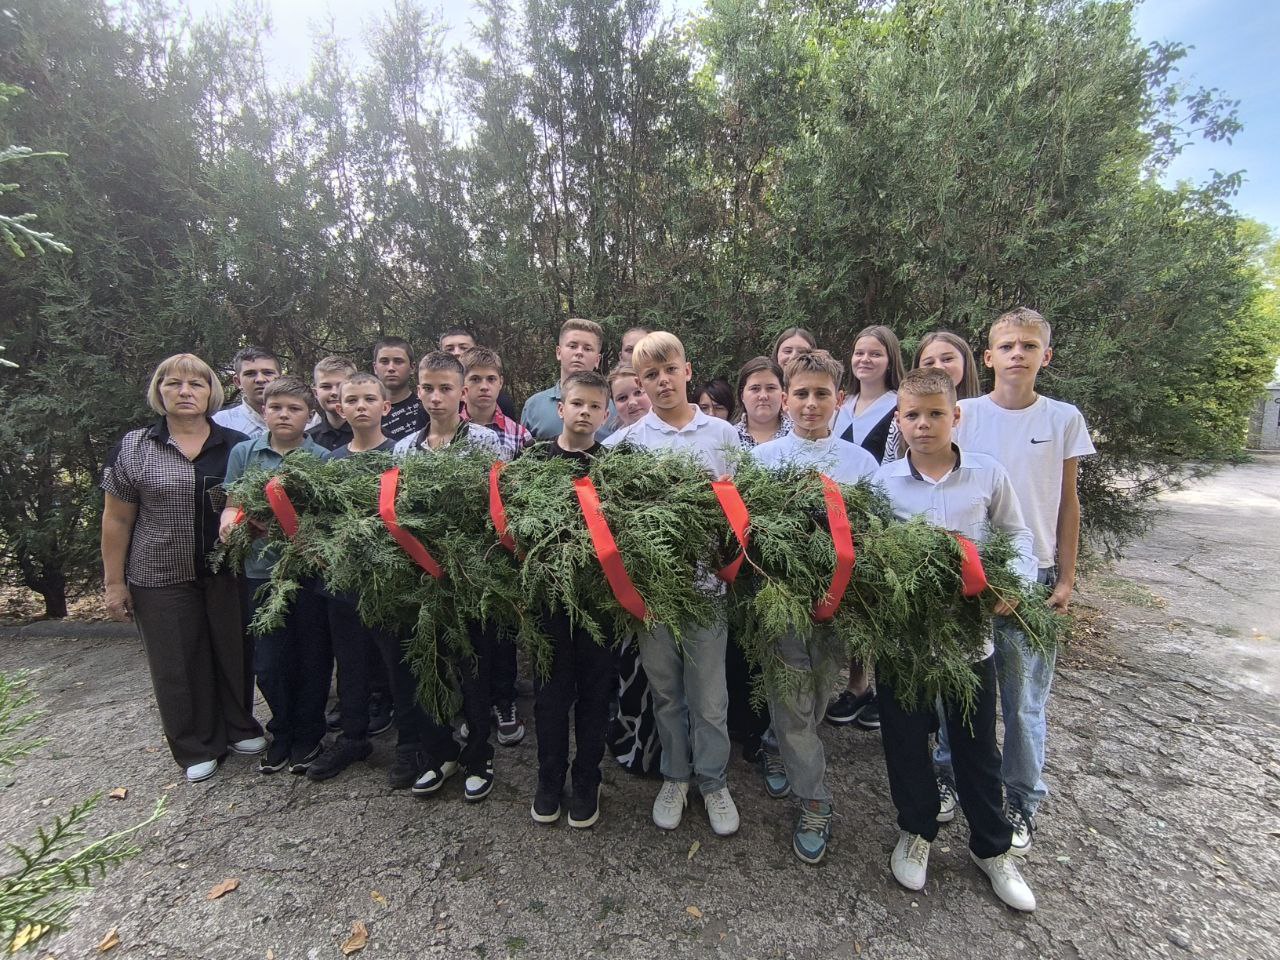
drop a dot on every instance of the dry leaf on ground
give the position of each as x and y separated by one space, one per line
27 935
378 898
358 939
693 849
222 889
693 912
119 793
110 941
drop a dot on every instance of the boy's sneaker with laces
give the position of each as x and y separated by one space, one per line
584 806
1024 828
776 782
201 771
510 726
721 811
813 830
1006 880
946 800
381 715
433 777
275 759
337 758
910 860
862 709
406 768
300 763
250 747
668 805
479 782
546 802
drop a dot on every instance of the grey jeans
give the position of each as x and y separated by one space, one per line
797 713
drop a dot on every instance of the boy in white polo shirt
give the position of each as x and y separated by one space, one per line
1039 442
690 699
967 493
811 385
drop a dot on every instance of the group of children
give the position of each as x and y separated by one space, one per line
967 462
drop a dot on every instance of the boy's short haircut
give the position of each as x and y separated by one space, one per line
753 366
481 357
656 348
190 365
399 343
928 382
364 378
333 364
287 387
582 326
1021 317
813 361
245 354
790 332
456 332
587 379
439 360
623 371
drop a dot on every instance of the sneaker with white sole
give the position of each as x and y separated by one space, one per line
250 747
1024 828
910 860
813 830
510 726
776 782
546 801
668 805
946 800
433 778
1006 880
479 783
300 763
275 759
584 806
721 811
201 771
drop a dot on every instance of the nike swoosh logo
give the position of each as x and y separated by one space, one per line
1033 440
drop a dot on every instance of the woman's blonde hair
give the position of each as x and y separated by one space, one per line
190 365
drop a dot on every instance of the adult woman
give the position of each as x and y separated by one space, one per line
760 394
159 523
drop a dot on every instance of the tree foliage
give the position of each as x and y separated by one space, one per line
829 163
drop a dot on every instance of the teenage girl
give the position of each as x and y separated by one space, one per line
715 399
628 397
944 349
791 341
760 393
875 369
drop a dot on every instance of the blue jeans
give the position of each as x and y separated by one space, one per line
1025 678
690 702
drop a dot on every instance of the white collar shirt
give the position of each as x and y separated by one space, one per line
243 418
711 440
840 460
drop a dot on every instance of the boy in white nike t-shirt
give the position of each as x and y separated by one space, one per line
811 385
1039 442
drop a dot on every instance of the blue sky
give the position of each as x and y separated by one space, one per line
1233 40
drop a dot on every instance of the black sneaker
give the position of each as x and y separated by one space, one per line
275 759
479 782
408 766
510 726
337 758
380 714
584 806
868 715
848 708
300 762
546 802
333 718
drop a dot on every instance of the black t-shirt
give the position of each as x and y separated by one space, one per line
329 437
404 418
344 451
582 458
506 404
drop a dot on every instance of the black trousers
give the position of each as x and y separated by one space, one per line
502 682
293 666
975 758
359 674
582 677
478 695
746 722
196 651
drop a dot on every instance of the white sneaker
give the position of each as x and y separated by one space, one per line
668 806
946 801
201 771
910 860
250 747
1024 829
1006 881
721 811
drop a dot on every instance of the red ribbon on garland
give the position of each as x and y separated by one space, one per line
842 539
238 518
607 550
410 544
497 512
973 579
735 511
282 507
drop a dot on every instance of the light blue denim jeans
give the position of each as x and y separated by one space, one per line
795 717
690 702
1025 678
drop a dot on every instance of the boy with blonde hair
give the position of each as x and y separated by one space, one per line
327 378
1039 441
687 681
970 494
577 349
